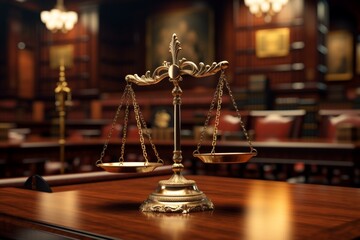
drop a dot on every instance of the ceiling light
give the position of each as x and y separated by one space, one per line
266 8
58 18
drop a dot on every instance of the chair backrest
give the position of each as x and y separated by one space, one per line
276 124
330 120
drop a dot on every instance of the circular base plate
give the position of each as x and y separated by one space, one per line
129 167
177 197
228 157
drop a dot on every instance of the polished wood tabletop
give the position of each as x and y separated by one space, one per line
244 209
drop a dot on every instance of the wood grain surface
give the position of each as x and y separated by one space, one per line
244 209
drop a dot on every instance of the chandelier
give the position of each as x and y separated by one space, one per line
58 18
265 7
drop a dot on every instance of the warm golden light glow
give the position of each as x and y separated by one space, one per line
59 19
265 7
63 208
268 215
179 224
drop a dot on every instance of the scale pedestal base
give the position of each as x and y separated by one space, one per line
177 195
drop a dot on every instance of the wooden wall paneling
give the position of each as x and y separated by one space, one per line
26 74
121 45
38 111
311 42
13 37
3 50
241 59
83 73
242 40
109 42
323 21
7 112
83 64
297 36
297 55
292 68
90 22
47 77
96 111
241 14
224 35
19 44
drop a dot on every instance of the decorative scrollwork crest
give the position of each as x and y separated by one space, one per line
177 68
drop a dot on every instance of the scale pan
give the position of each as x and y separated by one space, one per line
129 167
229 157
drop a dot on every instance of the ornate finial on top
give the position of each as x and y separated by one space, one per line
177 68
174 49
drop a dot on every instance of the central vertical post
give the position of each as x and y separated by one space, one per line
177 154
175 78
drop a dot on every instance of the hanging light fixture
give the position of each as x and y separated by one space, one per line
265 7
58 18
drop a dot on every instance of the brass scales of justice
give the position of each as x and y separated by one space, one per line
176 194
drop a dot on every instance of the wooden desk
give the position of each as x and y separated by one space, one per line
51 128
317 152
244 209
299 150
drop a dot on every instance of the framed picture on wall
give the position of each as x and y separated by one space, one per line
272 42
194 29
340 55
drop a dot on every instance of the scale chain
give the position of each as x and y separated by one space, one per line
217 116
150 139
140 120
252 149
129 93
112 125
212 105
126 122
138 124
218 96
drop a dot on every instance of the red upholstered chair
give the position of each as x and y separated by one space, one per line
276 124
342 120
273 127
330 120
